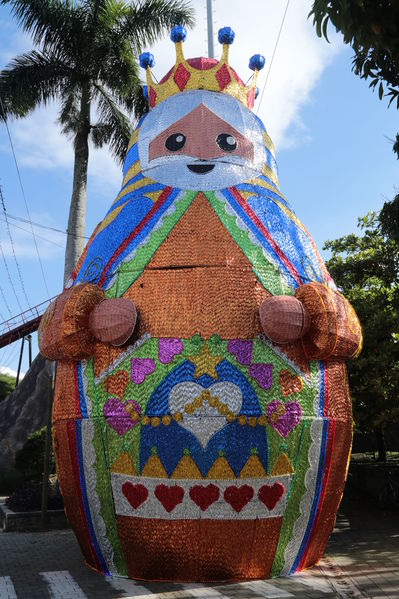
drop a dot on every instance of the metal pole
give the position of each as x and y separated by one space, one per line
29 338
211 53
44 516
19 361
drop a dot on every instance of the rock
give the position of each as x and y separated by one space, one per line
24 411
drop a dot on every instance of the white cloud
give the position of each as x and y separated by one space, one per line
299 62
11 372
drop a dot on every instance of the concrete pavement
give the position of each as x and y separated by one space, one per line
361 561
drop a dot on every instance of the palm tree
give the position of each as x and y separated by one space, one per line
86 58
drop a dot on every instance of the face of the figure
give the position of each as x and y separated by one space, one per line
201 140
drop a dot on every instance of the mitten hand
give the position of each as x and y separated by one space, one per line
78 317
320 317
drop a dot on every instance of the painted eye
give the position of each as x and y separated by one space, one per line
226 142
175 142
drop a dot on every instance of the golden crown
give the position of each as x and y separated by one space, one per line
201 73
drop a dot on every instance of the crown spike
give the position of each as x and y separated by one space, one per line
203 73
178 33
256 62
146 60
226 36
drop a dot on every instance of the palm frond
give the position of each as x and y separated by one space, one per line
31 79
144 22
113 128
52 24
69 112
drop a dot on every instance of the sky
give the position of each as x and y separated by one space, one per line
331 134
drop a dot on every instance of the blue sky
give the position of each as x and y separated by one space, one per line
330 131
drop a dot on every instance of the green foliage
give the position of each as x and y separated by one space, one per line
371 28
7 384
87 49
366 269
30 459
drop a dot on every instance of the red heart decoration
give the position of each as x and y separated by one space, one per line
116 383
135 494
204 496
290 383
269 496
238 497
170 497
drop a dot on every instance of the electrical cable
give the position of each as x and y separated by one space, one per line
9 277
273 55
13 248
23 194
38 236
5 302
31 222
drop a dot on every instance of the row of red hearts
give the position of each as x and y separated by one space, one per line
203 496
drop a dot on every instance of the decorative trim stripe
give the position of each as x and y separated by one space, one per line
316 498
131 172
158 204
326 392
85 502
72 441
326 474
265 233
237 499
323 387
81 394
269 144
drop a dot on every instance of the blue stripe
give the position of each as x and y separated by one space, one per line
141 191
262 193
131 157
82 401
144 232
321 400
78 429
253 228
315 498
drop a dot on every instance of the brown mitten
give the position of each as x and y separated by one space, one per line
78 317
322 318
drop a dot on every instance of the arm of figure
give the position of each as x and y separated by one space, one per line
321 318
79 317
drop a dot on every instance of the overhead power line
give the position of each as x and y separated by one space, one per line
273 55
9 277
12 247
31 222
5 301
23 194
38 236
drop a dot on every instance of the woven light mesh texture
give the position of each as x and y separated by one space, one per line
198 449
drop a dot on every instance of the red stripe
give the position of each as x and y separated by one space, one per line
162 198
75 470
326 471
326 391
78 413
247 209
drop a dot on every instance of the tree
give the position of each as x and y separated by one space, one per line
372 30
85 57
7 384
366 269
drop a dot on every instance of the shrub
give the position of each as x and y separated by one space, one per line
30 458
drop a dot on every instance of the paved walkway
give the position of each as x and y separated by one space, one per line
361 561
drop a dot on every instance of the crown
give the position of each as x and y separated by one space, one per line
201 73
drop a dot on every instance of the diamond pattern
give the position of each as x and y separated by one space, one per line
181 77
251 98
223 77
152 97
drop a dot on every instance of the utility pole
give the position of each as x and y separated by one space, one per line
211 53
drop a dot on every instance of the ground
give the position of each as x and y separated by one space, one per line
361 561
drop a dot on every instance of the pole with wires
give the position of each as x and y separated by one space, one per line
209 19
